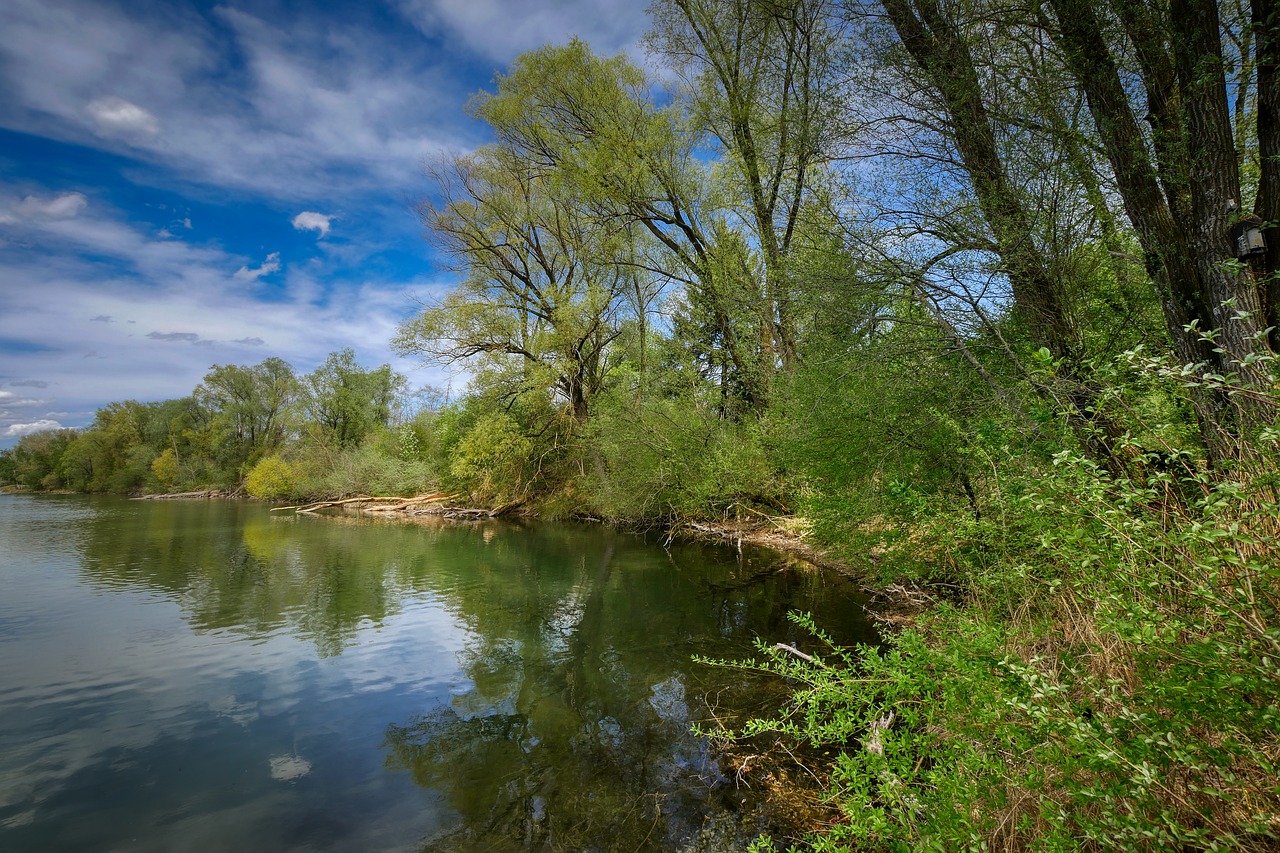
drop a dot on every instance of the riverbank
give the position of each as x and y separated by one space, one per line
895 605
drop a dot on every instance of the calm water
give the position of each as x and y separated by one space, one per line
211 676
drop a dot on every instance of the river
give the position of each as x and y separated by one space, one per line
209 675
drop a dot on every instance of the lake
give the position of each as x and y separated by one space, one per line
209 675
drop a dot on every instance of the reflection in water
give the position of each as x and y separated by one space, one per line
211 675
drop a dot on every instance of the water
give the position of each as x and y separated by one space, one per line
207 675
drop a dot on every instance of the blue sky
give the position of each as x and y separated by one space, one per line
188 184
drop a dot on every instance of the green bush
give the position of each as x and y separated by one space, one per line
674 458
492 458
272 479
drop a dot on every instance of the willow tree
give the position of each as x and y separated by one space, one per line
762 81
591 126
250 408
345 402
1179 171
544 283
1175 170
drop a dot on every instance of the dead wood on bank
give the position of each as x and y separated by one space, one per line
405 505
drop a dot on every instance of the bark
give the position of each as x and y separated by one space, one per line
1215 183
1167 254
1266 26
1164 111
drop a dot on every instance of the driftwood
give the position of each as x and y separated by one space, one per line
409 506
405 503
312 507
203 493
461 513
393 502
783 647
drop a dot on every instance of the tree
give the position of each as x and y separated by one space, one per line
543 294
1181 182
250 406
762 80
591 124
345 402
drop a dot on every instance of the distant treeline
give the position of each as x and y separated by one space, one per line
236 418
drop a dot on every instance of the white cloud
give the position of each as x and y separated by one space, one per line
309 220
62 206
269 266
19 430
116 115
296 107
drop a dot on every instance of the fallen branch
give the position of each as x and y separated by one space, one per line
203 493
361 499
783 647
408 502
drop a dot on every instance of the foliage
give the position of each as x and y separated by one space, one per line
272 478
345 402
36 458
251 408
1110 684
492 458
675 458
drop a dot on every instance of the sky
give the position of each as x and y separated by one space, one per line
186 184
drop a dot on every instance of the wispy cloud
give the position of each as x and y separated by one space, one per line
189 337
118 116
177 309
501 29
269 266
297 107
61 206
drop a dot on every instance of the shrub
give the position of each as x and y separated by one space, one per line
272 479
674 458
492 458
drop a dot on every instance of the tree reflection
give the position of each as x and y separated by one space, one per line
570 727
575 732
233 566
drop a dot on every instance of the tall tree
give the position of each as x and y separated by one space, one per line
250 407
592 123
1180 183
544 286
345 402
761 80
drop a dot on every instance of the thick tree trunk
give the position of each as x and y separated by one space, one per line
1215 184
1184 205
1266 27
1167 255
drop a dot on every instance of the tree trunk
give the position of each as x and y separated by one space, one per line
941 52
1266 27
1215 184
